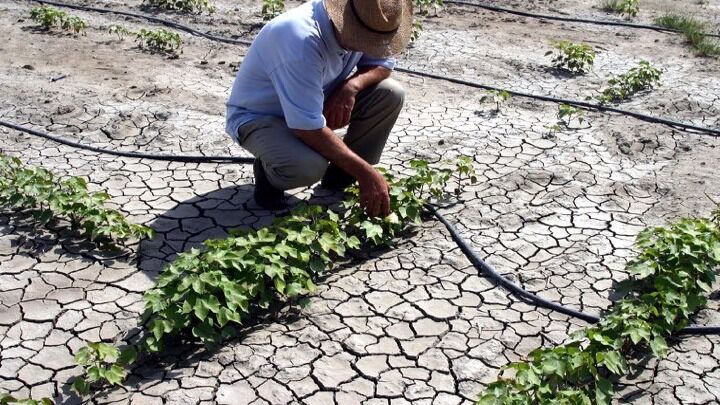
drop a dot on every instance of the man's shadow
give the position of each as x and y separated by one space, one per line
212 216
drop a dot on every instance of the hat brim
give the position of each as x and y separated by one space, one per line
353 35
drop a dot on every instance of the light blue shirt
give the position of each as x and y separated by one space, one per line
291 67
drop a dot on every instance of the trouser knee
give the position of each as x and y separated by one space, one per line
392 92
301 172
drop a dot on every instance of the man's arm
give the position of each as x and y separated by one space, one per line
340 103
374 193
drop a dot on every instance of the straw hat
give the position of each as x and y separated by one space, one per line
378 28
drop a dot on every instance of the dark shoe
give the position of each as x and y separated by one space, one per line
336 179
265 194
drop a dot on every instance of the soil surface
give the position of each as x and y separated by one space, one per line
556 211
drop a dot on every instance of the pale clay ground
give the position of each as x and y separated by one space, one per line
416 324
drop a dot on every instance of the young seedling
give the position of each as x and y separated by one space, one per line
104 364
499 97
7 399
205 293
424 6
629 8
566 113
49 199
188 6
417 28
49 17
574 58
272 9
159 40
119 30
668 283
623 86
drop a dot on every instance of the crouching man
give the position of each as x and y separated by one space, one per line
296 86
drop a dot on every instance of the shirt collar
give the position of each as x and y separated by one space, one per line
327 31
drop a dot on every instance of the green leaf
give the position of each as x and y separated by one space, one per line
115 375
80 386
603 391
613 361
128 355
659 346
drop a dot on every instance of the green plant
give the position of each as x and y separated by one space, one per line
642 77
49 17
37 190
675 267
272 9
204 294
630 8
102 363
424 6
119 30
567 112
6 399
575 58
160 40
694 32
417 29
499 97
189 6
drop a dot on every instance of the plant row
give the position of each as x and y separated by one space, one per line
7 399
205 294
675 268
50 199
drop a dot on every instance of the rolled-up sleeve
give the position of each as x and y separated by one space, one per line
388 63
300 90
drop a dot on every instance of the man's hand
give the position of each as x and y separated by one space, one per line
374 194
339 105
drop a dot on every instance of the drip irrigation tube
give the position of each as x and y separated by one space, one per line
477 261
584 104
569 19
528 297
139 155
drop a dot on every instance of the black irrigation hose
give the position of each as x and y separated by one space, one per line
528 297
568 19
139 155
474 258
584 104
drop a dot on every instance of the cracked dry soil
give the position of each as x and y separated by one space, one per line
412 325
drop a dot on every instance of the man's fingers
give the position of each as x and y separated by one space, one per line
346 117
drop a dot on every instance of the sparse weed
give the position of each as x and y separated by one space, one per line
574 58
694 32
160 40
639 78
189 6
272 9
629 8
49 17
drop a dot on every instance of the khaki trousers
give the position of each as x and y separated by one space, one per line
290 163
